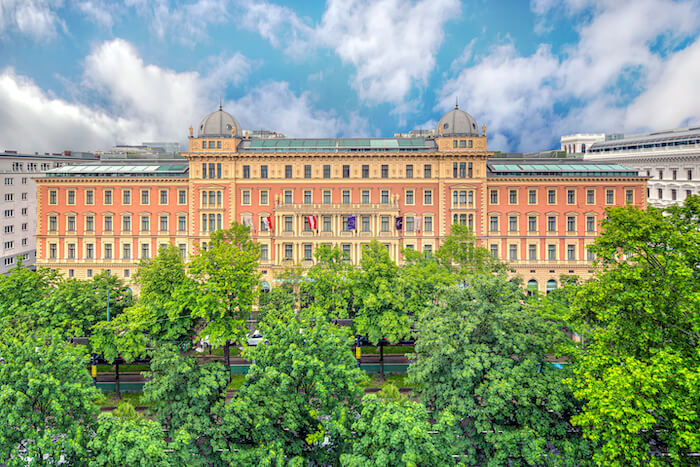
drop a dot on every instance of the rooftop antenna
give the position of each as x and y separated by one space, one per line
220 104
456 102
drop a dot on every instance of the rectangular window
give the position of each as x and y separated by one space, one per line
263 171
163 223
551 224
571 252
365 223
365 171
427 197
181 223
513 252
690 174
551 196
552 252
660 193
71 251
493 196
661 174
493 224
89 273
53 197
218 170
326 171
532 252
570 196
246 197
90 223
326 196
53 249
590 196
428 250
462 170
307 171
629 196
409 197
145 223
385 197
590 256
288 226
90 197
428 224
307 197
89 251
571 224
674 195
264 197
385 171
346 171
346 196
346 249
108 197
71 223
204 166
264 252
182 197
108 224
513 196
24 196
590 224
126 251
108 251
145 250
307 252
384 224
288 197
126 197
365 196
609 196
71 197
512 224
410 223
145 197
53 223
288 251
287 171
126 224
326 223
494 251
163 197
427 171
532 224
532 196
246 171
409 170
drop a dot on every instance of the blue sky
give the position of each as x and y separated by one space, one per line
87 74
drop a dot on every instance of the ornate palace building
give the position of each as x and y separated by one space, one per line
295 194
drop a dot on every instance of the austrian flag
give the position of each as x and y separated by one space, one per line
312 222
268 222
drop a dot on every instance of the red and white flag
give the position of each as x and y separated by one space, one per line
248 221
268 222
312 222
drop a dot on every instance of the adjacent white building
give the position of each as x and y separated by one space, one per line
18 201
670 158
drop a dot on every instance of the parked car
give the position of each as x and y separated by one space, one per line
254 338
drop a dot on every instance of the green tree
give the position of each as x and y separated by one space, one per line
183 394
459 252
393 431
300 395
482 356
381 313
48 404
421 279
21 292
223 285
162 311
639 378
124 437
328 283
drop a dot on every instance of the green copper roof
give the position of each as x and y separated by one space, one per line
576 169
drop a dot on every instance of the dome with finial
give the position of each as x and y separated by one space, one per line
457 122
219 124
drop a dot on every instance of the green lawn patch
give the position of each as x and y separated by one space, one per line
122 368
400 381
133 398
395 350
236 382
234 352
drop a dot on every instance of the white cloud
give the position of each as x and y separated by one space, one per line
273 106
624 48
98 11
277 24
34 18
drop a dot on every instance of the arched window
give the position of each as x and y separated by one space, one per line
212 198
551 285
531 287
204 198
264 287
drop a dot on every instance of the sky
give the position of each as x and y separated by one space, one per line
87 74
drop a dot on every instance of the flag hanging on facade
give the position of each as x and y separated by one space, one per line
312 222
247 220
419 220
399 222
268 222
351 222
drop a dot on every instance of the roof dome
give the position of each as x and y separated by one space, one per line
457 123
219 124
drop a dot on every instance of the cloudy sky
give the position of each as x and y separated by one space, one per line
87 74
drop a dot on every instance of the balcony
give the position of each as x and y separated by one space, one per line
336 208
